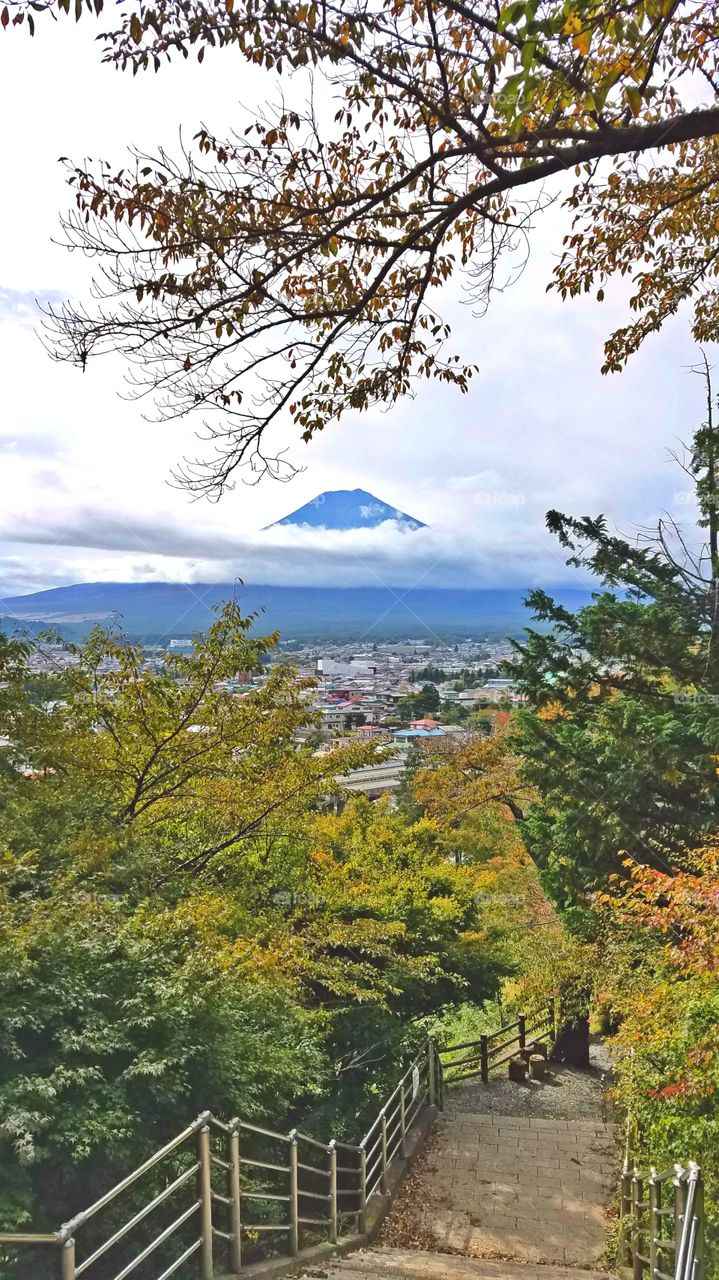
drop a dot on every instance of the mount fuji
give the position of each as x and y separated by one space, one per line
347 509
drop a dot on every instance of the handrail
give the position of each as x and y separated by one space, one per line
650 1229
217 1215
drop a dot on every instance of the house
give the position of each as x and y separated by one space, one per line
369 731
424 724
407 735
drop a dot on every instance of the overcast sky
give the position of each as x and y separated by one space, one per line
84 489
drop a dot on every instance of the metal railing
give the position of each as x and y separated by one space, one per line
482 1056
662 1222
231 1192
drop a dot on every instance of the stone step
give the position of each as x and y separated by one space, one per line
413 1264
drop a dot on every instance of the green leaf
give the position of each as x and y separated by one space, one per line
528 52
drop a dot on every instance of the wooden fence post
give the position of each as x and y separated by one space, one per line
294 1198
204 1195
234 1190
431 1081
522 1031
484 1058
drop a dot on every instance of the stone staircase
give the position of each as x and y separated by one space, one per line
406 1264
497 1197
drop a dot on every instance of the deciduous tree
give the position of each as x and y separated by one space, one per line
290 272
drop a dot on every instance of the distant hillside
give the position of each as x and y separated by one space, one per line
347 509
158 610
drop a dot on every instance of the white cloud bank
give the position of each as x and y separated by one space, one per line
116 546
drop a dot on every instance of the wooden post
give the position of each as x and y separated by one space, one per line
294 1198
362 1215
655 1200
383 1175
484 1058
233 1178
402 1123
522 1032
431 1081
204 1195
517 1069
537 1066
67 1260
637 1264
551 1010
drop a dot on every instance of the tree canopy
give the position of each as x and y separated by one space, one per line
290 272
621 736
184 922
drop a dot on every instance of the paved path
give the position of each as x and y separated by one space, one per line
409 1264
509 1187
512 1185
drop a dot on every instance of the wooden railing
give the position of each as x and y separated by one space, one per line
482 1056
232 1192
662 1222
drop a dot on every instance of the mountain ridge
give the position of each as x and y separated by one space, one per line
163 610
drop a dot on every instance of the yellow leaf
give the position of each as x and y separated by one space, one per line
572 25
582 42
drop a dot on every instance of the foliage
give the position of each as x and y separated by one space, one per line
405 799
291 269
132 766
622 735
472 773
659 979
183 924
473 790
455 713
119 1026
376 868
419 706
430 673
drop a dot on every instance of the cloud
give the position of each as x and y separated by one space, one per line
29 444
175 550
46 478
22 306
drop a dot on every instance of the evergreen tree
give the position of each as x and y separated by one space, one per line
622 733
